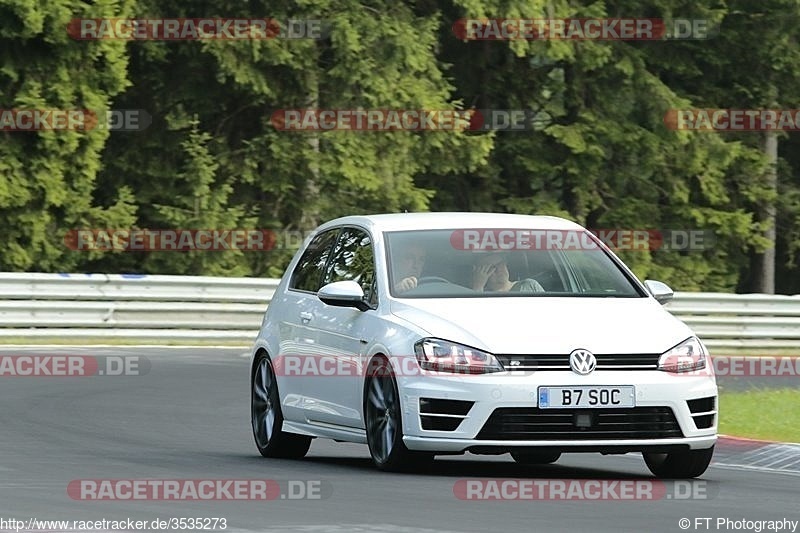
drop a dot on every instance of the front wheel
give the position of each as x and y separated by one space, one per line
383 420
267 419
679 465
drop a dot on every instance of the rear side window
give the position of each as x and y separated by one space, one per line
310 270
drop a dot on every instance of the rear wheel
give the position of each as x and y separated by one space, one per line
679 465
267 419
536 458
383 420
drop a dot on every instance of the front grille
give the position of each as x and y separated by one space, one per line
438 423
437 414
703 411
533 423
702 405
703 421
444 407
561 361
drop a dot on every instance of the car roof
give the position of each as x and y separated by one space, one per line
423 221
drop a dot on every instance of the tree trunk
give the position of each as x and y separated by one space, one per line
765 280
310 217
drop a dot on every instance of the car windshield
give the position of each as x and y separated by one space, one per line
493 262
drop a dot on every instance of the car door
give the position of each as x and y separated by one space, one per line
299 339
334 395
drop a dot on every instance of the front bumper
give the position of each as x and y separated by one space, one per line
433 444
520 391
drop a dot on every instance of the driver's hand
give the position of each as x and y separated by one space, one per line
480 275
406 284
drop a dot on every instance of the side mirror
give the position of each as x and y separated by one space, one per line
343 294
660 291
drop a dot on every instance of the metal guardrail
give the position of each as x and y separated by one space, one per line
749 321
181 309
132 307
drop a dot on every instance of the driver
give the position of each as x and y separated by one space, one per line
408 267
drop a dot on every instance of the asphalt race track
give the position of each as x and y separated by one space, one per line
188 418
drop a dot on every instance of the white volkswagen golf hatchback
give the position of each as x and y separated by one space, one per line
444 333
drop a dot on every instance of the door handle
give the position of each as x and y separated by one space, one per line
306 317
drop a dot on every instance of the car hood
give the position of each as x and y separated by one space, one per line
547 325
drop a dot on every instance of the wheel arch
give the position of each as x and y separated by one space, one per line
372 358
256 356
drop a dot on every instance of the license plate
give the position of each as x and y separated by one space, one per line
582 396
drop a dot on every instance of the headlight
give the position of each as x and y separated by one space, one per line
687 356
444 356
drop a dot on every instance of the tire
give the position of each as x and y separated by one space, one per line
266 416
679 465
536 458
383 421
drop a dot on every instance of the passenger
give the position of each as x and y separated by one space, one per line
490 273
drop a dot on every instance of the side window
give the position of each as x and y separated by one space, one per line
598 274
353 259
310 270
542 268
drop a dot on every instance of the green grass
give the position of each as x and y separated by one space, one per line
769 414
